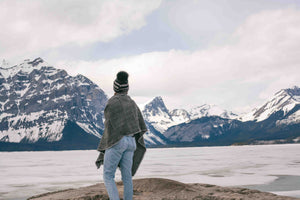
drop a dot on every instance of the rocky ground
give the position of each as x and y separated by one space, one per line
163 189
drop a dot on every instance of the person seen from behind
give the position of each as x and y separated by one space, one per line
122 143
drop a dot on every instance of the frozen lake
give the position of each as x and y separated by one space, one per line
273 168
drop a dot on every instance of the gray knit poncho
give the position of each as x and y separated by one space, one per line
122 117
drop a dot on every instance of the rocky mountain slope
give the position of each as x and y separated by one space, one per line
161 118
40 103
277 121
286 100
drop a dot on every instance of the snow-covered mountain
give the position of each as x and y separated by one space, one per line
37 101
158 119
286 100
180 116
277 121
156 113
211 110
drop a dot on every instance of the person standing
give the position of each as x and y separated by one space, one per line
122 144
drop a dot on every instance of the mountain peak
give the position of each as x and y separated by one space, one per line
4 64
36 61
27 66
156 112
158 99
156 104
284 100
293 92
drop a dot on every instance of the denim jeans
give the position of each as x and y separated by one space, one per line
122 153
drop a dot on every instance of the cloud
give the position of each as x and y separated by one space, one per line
34 25
262 54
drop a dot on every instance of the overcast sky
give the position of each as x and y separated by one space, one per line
233 53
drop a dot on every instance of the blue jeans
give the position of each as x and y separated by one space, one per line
121 153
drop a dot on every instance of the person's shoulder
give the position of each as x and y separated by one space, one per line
116 99
112 101
113 98
130 99
133 103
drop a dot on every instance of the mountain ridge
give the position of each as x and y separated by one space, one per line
37 100
158 115
285 99
279 123
44 108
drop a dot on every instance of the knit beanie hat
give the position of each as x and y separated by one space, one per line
121 82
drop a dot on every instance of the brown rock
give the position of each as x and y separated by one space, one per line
163 189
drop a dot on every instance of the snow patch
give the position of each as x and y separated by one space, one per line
297 98
292 119
22 92
281 101
210 110
62 98
205 136
88 128
51 131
